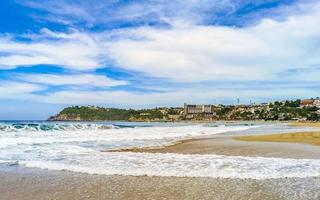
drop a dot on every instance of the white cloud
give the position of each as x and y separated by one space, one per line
176 98
88 80
184 52
75 50
108 12
197 53
18 90
26 92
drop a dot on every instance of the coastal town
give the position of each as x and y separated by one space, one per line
298 110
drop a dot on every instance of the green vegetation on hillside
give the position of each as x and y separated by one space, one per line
286 110
91 113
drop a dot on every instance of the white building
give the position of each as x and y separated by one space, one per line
198 109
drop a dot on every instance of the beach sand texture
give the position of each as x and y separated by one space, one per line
31 184
226 145
303 137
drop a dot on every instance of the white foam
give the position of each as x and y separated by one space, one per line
43 127
55 145
3 161
112 135
79 150
179 165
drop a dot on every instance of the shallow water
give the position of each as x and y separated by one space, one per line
78 147
25 183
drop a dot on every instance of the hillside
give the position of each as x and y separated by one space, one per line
91 113
286 110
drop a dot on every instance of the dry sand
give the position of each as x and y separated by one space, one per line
305 124
312 138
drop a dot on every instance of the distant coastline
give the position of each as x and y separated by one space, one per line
296 110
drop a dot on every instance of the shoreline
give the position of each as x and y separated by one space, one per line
21 183
227 145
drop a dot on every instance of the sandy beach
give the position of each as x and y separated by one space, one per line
27 184
226 145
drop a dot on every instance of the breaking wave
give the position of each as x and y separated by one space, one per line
181 165
78 147
22 127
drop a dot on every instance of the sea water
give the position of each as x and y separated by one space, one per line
81 147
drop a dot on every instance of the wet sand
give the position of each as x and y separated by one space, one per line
226 145
32 184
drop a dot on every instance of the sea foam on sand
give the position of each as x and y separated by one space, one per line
182 165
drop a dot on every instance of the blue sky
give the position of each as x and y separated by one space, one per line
145 53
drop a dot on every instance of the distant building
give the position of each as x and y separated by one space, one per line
306 102
174 117
310 102
163 111
317 102
198 109
144 114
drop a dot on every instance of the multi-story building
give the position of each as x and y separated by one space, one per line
198 109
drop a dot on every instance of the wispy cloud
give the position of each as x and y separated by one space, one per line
136 12
87 80
174 98
18 90
195 53
115 13
70 50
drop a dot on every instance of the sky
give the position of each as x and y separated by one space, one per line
148 53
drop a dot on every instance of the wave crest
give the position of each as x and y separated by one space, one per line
33 127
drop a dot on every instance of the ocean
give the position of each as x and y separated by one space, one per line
83 147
